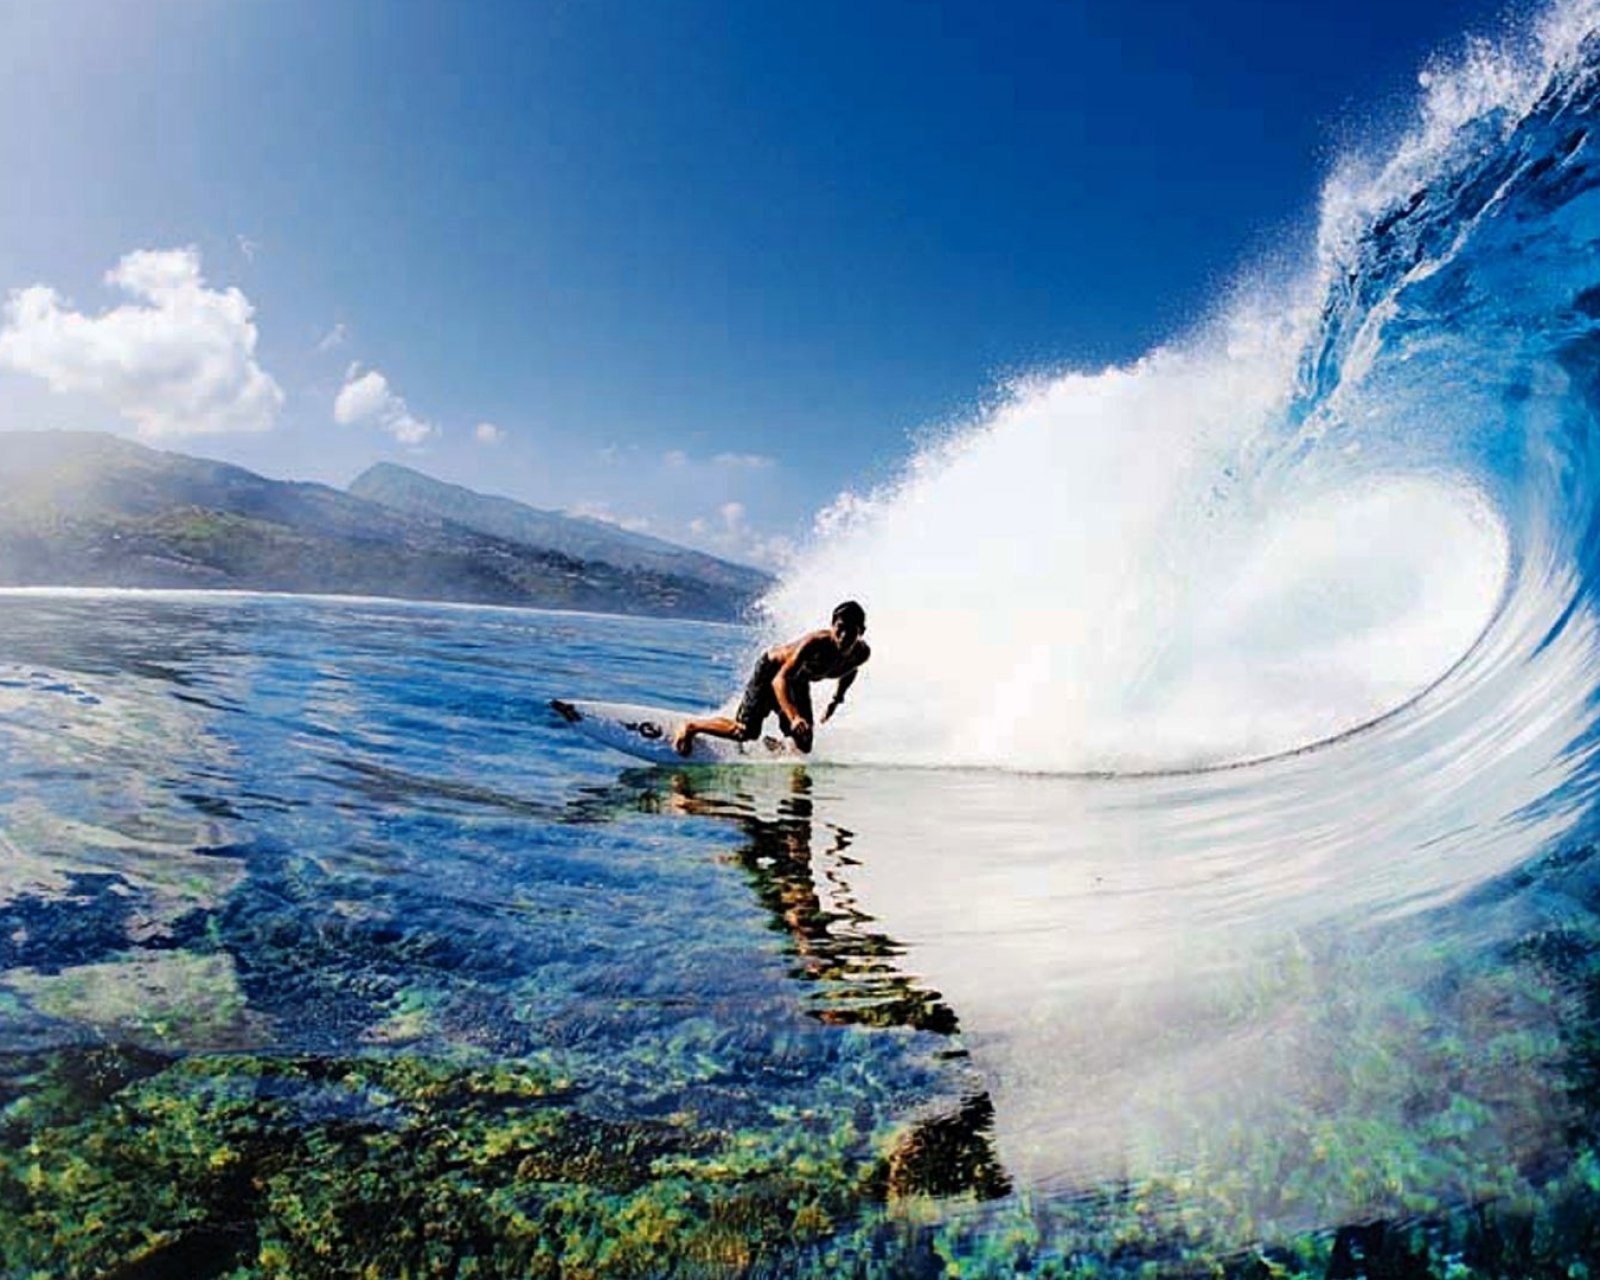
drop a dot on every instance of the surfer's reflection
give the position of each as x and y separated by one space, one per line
847 964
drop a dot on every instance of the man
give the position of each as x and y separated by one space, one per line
782 683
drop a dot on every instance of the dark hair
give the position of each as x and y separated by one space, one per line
852 615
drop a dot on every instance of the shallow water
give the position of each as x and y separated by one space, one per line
1124 1021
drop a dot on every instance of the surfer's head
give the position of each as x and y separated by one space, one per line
849 621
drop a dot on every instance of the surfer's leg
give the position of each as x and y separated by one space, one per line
713 727
755 706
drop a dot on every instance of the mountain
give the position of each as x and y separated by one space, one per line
577 536
87 509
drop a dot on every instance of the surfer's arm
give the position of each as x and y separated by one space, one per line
780 686
861 653
793 666
845 681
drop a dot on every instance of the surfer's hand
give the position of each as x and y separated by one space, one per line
800 731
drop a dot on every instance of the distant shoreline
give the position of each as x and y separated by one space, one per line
246 593
89 509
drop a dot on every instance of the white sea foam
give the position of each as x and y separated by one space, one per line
1078 585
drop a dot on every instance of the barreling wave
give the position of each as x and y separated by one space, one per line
1358 495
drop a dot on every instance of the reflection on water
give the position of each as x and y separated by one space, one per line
852 966
807 890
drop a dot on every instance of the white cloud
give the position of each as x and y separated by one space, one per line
730 461
180 361
725 531
366 399
731 535
334 338
776 552
488 433
363 396
249 247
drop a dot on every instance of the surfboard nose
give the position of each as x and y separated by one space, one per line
566 711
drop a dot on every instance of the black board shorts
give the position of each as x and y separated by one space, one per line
760 701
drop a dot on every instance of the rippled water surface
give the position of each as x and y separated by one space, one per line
320 899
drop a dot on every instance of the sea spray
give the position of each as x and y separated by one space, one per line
1086 582
1075 587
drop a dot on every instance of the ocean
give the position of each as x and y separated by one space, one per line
1200 880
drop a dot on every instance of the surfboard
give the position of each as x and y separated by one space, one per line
646 733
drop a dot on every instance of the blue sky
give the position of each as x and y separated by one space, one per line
696 266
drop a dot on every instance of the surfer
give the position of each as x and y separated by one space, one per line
782 683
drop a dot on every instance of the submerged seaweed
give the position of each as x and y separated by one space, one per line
389 1166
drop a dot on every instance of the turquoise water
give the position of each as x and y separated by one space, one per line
1083 1025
